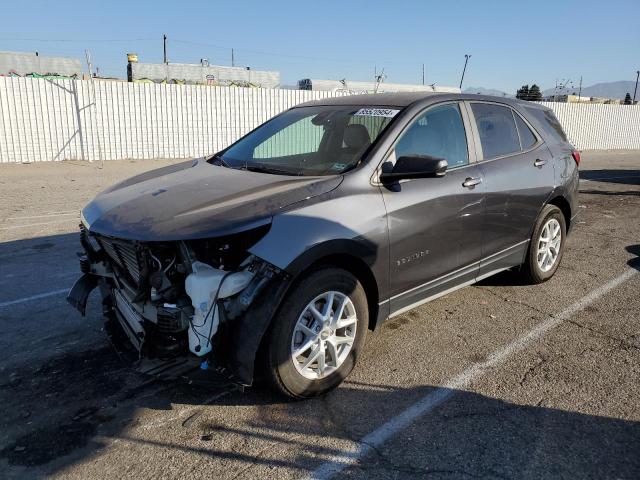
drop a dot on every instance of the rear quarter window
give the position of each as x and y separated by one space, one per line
527 138
549 122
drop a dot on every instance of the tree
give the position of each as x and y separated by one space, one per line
523 93
535 95
627 99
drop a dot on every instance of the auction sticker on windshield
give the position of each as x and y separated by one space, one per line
377 112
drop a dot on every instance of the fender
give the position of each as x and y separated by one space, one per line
356 227
360 249
559 191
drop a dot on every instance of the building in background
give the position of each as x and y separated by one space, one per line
352 87
200 74
581 99
19 64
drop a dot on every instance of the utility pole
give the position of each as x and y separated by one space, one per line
580 90
423 74
635 90
233 62
466 59
164 46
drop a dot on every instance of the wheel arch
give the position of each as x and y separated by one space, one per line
346 255
559 200
334 253
565 207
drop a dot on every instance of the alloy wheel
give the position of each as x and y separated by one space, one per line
549 244
324 335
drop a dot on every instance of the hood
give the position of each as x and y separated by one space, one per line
195 199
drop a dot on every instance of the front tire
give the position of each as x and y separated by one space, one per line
316 336
546 246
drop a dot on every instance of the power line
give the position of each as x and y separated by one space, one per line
69 40
287 55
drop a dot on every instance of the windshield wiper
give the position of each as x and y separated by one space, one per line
263 169
221 160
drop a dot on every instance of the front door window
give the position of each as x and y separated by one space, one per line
439 132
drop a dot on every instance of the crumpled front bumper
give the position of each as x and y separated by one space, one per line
79 293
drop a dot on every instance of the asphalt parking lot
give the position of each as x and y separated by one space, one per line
497 380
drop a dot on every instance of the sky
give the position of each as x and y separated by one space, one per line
510 43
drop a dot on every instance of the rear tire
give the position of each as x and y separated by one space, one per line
333 336
546 246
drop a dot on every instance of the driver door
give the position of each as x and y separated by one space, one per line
435 224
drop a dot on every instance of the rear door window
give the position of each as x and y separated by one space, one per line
527 138
497 130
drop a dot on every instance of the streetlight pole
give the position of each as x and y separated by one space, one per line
466 59
164 48
636 89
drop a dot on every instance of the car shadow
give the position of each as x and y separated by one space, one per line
634 250
507 278
626 177
612 193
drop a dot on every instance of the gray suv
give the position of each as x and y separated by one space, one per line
278 253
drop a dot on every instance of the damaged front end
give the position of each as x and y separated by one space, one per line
209 301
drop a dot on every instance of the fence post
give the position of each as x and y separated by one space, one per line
74 90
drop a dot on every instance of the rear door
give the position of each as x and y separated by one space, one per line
435 224
518 173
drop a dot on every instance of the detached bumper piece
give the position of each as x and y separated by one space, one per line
190 371
79 293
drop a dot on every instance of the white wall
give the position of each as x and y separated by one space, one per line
50 120
599 126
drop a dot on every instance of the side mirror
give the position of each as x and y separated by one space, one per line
415 166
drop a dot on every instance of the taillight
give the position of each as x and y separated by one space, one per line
576 156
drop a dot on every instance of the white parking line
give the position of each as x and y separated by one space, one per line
33 297
379 436
54 214
12 227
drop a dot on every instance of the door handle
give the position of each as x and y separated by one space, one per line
539 163
471 182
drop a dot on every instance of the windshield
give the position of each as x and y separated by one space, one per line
319 140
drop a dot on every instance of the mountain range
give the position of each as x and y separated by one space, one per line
486 91
606 89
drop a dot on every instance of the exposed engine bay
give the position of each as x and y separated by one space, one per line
176 299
